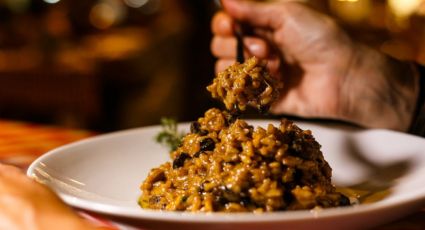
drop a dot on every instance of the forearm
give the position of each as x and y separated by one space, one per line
384 90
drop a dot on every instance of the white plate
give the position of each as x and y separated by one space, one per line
103 174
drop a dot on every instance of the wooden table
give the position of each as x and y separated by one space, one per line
21 143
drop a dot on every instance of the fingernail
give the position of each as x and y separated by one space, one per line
254 49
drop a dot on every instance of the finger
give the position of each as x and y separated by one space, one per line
260 14
222 64
9 170
222 24
225 47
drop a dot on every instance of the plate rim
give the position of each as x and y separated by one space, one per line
199 217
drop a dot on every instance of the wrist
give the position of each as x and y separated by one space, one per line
379 91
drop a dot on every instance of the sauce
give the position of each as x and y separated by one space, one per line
364 194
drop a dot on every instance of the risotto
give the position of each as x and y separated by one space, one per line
245 84
226 165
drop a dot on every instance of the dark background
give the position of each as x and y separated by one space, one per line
115 64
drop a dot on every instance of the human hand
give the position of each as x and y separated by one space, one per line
26 204
325 73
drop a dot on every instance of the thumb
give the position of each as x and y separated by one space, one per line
260 14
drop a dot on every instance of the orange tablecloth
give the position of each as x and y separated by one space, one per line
21 143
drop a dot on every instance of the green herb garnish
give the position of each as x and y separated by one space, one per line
169 136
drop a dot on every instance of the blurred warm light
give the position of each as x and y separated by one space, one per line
102 16
404 8
106 13
51 1
135 3
119 45
351 11
400 12
421 9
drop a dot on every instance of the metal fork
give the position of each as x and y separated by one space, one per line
239 42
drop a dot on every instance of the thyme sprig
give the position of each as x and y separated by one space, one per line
169 136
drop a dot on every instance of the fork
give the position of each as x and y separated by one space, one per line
239 32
